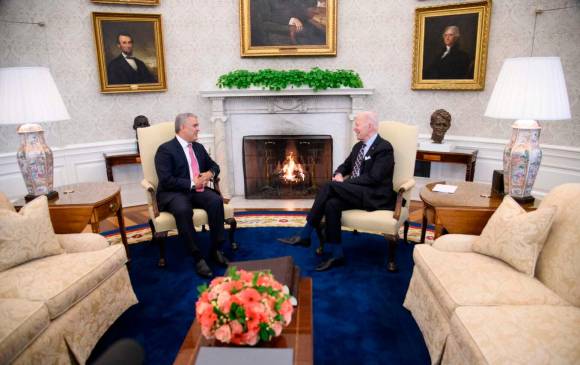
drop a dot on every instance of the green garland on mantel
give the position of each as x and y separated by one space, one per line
316 79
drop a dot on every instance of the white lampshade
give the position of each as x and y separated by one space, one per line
29 95
530 88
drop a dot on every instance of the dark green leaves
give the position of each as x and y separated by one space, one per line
316 78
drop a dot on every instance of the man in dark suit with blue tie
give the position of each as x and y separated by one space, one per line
363 181
184 169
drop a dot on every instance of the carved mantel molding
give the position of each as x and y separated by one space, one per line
228 102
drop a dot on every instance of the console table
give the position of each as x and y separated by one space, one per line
114 160
466 157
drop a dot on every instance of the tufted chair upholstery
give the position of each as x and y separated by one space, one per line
150 138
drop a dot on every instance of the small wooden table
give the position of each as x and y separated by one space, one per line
85 203
465 211
114 160
298 335
467 157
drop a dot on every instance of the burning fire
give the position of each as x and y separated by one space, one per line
291 170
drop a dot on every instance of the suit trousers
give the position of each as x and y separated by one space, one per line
331 200
182 209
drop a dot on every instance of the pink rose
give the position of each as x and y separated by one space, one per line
223 298
236 327
224 334
277 327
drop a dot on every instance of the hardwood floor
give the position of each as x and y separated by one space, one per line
139 215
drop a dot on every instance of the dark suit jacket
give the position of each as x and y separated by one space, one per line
376 175
173 170
120 72
456 65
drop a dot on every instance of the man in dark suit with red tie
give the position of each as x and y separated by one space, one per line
184 169
363 181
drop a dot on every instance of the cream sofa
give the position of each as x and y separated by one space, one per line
475 309
54 309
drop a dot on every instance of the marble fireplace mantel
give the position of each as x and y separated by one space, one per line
235 112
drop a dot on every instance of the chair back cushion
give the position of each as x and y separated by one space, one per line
559 262
403 138
150 138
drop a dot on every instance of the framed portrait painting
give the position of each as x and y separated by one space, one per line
129 52
288 28
127 2
450 51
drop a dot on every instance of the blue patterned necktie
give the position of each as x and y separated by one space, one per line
358 162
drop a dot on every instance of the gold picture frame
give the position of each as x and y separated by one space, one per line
127 2
450 51
140 35
307 28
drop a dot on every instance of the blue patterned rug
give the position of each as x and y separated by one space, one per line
357 308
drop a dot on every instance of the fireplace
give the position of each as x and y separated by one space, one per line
286 166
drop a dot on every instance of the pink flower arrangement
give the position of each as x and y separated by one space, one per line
243 307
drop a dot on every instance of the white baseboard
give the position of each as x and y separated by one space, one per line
85 162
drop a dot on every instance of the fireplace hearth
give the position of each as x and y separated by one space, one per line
286 166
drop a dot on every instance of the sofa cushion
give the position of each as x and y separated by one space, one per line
515 236
558 266
518 334
21 322
5 203
463 278
27 235
62 280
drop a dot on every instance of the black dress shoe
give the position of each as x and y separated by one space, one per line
296 241
220 259
202 269
331 262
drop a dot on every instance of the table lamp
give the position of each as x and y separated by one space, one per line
527 89
28 95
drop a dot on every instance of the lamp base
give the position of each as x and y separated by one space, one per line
525 199
52 195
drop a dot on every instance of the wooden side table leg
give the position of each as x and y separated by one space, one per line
121 222
424 224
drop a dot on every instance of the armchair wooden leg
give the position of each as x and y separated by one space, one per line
233 226
405 230
391 250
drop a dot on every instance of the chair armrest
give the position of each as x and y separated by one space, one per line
216 187
82 242
405 186
151 196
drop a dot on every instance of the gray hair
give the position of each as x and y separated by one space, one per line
455 30
371 117
180 120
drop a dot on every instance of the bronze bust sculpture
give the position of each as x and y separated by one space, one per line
440 122
140 121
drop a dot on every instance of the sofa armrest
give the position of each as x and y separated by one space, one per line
82 242
455 242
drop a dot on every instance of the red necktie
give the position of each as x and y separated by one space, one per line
194 165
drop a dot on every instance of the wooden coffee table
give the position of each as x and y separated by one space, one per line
298 335
465 211
85 203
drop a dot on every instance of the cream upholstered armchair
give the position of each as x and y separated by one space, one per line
403 138
150 138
